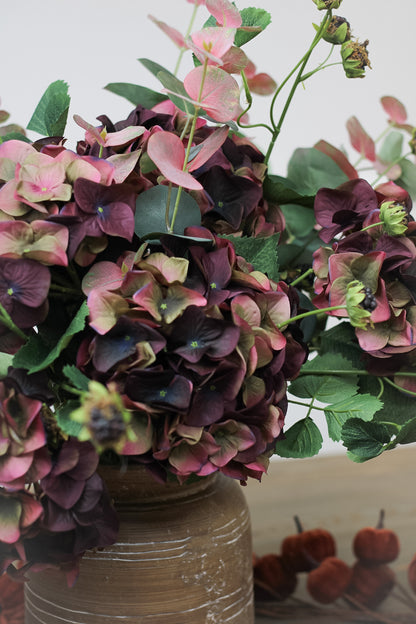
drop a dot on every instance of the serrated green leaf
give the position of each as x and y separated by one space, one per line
362 406
310 169
49 118
364 440
392 146
341 339
303 439
328 388
407 433
254 19
260 252
78 379
151 208
63 417
136 94
36 354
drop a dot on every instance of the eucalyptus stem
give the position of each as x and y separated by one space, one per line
189 145
387 169
168 206
6 320
298 317
301 65
188 32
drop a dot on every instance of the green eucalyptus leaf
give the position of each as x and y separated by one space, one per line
175 86
16 136
299 219
37 354
260 252
303 439
49 118
136 94
407 179
277 189
392 147
310 169
151 209
254 21
362 406
63 417
364 440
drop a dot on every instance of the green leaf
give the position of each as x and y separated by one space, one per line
170 82
362 406
299 219
256 20
36 354
16 136
136 94
341 339
392 147
151 208
277 189
325 388
5 361
49 118
407 179
364 440
63 417
260 252
78 379
303 439
310 169
407 433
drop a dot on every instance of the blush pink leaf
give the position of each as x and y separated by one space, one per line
173 34
394 109
360 140
166 150
220 93
224 12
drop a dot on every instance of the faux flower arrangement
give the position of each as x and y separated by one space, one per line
161 290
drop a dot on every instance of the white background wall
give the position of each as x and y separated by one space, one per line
89 43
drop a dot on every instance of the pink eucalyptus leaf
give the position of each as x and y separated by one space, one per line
220 93
214 40
234 61
338 157
123 164
93 133
262 84
166 150
104 275
224 12
360 140
173 34
124 137
208 147
394 109
105 309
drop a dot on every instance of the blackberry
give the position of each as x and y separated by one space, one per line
106 425
369 302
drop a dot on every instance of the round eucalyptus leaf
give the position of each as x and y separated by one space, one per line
151 210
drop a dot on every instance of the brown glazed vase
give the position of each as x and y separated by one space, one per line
183 556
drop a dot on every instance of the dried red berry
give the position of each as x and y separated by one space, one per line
376 545
272 580
370 584
411 574
329 580
303 551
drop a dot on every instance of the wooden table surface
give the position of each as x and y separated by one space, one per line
341 496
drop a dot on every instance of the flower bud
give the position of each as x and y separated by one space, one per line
394 217
355 298
355 58
338 31
324 5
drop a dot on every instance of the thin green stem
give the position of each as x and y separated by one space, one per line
6 320
64 290
300 67
357 371
321 409
299 317
368 227
72 389
318 69
394 385
188 32
381 382
168 206
249 102
301 277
